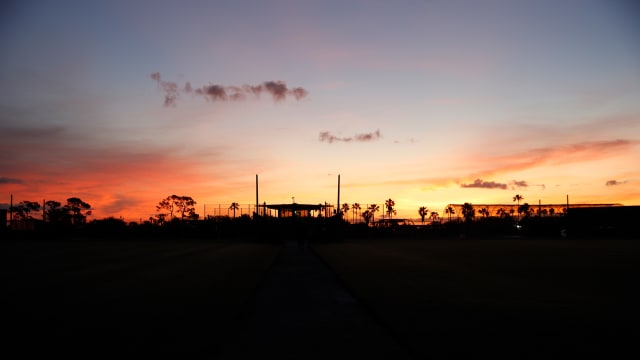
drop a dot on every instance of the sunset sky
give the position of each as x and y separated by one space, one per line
123 103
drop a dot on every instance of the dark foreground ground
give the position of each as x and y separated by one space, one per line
97 297
508 298
391 299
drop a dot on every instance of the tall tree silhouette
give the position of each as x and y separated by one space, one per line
468 212
423 211
355 207
390 204
518 198
79 210
345 210
373 208
167 205
449 210
55 213
22 210
234 206
367 215
183 205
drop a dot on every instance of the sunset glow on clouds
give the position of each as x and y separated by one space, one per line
428 103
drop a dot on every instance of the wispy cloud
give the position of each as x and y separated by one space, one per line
529 131
614 182
514 184
117 203
326 136
8 180
170 89
556 155
519 183
31 133
278 90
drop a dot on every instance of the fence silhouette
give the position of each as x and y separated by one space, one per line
352 215
355 216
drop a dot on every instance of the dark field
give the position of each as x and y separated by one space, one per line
98 297
511 298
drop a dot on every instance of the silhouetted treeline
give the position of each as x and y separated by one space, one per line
584 223
262 229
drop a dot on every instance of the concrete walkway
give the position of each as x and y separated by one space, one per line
301 311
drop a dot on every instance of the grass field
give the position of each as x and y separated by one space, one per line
511 298
151 297
507 298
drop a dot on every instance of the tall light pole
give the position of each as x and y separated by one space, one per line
338 208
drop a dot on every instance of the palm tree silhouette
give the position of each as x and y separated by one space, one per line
449 210
526 209
234 206
373 208
389 204
468 212
366 215
434 216
345 209
517 198
355 207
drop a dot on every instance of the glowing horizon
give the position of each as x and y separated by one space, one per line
427 104
405 207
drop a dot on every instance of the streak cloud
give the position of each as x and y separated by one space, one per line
212 92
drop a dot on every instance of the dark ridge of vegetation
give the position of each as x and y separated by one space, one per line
582 223
176 218
243 228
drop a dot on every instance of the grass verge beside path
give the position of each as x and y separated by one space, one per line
144 297
507 298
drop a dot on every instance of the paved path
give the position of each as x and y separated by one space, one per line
301 311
